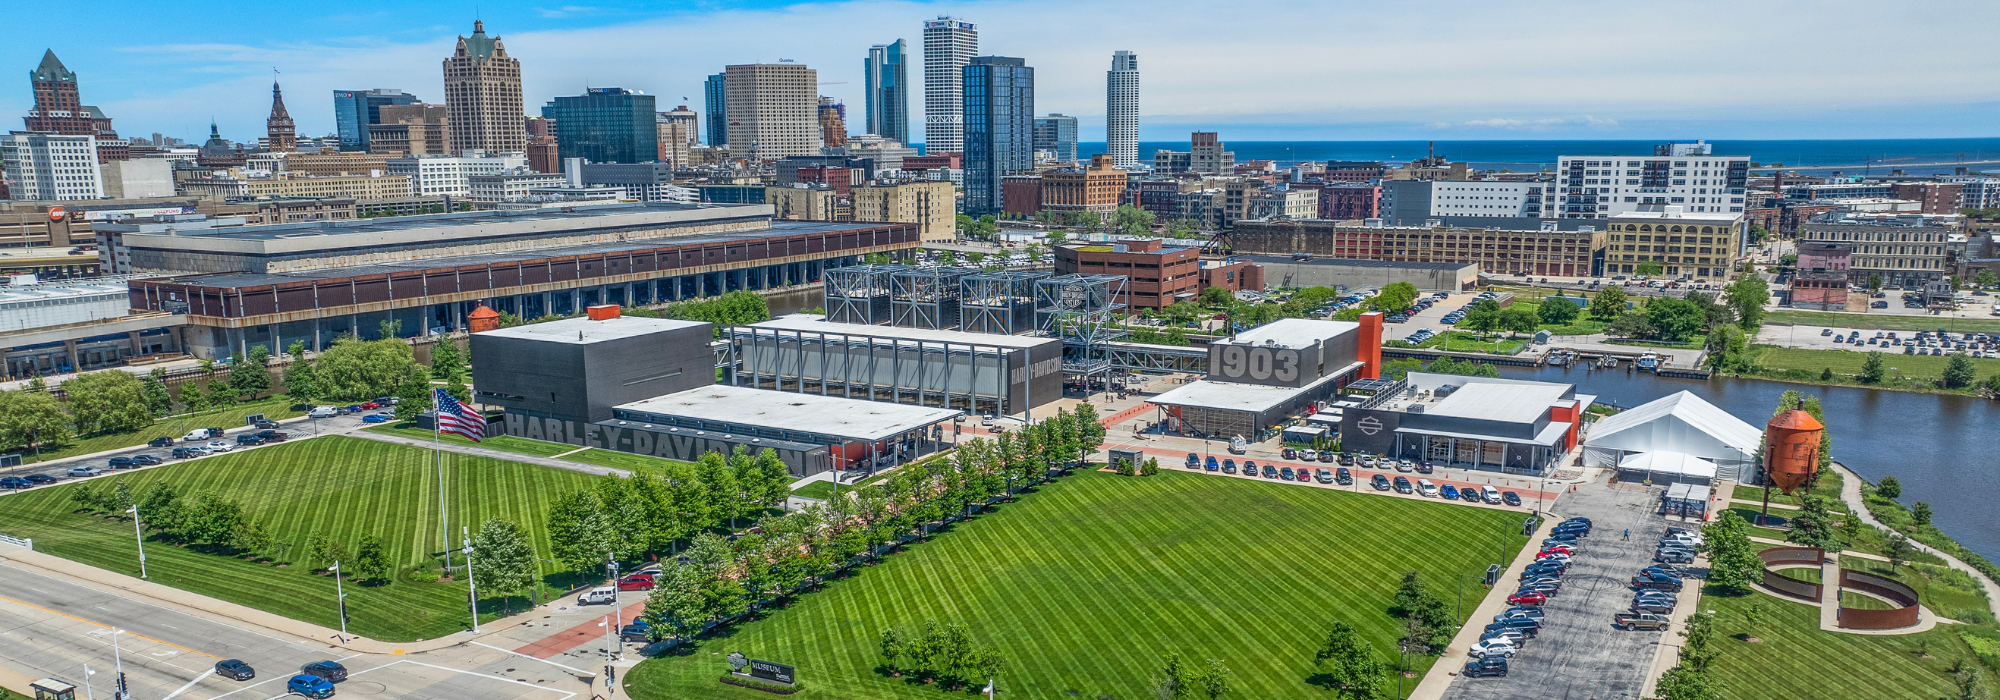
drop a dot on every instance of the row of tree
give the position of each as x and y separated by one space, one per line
115 401
1402 367
651 511
205 519
367 563
939 653
717 579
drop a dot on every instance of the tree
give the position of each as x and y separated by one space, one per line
1518 319
321 551
1401 367
371 560
1968 684
251 535
1746 297
1733 561
1874 283
1632 324
1409 594
1683 683
1890 488
676 607
1725 347
1219 297
1920 513
1482 316
1151 467
1349 665
1752 616
1608 304
413 393
1873 368
29 419
1675 319
892 647
579 535
447 362
1558 310
1648 268
1132 220
250 377
1898 549
1089 433
159 400
1698 642
1813 526
1960 372
1124 467
506 559
355 369
1985 278
1395 296
111 401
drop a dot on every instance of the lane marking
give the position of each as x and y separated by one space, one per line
108 627
183 689
525 656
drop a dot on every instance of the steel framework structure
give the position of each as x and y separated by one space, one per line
999 302
1081 309
966 376
859 293
1156 358
925 297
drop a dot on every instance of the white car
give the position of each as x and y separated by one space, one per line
1489 494
196 434
1428 489
219 446
324 412
1497 646
84 471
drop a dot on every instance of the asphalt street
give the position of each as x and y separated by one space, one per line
1578 655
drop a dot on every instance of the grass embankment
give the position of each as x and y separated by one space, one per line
1084 584
1898 518
1883 322
339 486
1904 372
618 460
1465 341
232 416
504 443
1796 659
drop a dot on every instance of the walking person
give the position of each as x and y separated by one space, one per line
1628 533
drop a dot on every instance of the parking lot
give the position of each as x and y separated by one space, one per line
296 427
1578 654
1818 338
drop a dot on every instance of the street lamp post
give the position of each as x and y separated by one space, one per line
471 586
340 597
618 613
118 658
139 536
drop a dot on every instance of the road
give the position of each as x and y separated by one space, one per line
298 428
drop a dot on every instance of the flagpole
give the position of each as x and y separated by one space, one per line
437 447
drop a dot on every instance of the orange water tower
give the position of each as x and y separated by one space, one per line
1791 449
482 319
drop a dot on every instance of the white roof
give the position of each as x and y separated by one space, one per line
1507 403
583 330
852 419
1681 423
1688 492
1292 332
1669 463
1230 396
815 323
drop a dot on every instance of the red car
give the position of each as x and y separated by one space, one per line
370 406
1555 549
1303 474
636 582
1527 598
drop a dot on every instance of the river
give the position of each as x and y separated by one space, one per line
1935 445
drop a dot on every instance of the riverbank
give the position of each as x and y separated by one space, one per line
1880 322
1920 374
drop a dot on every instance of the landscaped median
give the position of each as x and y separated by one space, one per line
1084 583
340 488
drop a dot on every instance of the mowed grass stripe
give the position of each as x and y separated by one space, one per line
1084 583
339 486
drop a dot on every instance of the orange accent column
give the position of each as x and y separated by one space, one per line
1370 351
1573 416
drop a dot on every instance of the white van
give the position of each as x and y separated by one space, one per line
323 412
601 595
1489 494
1425 487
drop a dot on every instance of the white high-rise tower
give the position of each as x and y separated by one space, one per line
1121 110
949 44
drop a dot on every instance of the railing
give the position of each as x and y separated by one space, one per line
22 542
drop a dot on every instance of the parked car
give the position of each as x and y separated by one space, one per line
323 412
1667 569
309 686
1426 488
1226 469
1323 475
122 463
637 633
1425 468
1468 494
1291 453
1448 492
1661 596
1380 482
1193 461
1343 477
1326 456
83 471
194 435
1491 666
14 483
1492 647
1640 621
146 460
1657 582
1489 494
374 418
1308 455
1652 605
1528 611
1212 463
160 442
1406 466
1249 467
1346 459
636 582
601 595
218 446
1674 557
184 453
332 671
234 670
1270 472
1285 473
273 435
1403 485
1510 498
266 425
249 440
370 406
40 479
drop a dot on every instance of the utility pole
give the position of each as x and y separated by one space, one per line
340 597
471 587
140 536
618 613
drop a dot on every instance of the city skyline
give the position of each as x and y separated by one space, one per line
1204 72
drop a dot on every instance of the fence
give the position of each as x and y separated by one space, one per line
1791 586
1901 595
22 542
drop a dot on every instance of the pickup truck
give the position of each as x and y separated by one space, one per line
1639 621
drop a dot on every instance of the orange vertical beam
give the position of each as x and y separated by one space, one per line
1370 352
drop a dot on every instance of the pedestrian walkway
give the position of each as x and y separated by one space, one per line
582 633
493 453
1850 491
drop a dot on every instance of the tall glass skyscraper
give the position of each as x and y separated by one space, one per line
1057 134
1121 110
354 110
949 43
606 125
999 109
716 98
888 79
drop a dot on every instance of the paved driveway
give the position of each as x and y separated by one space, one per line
1578 654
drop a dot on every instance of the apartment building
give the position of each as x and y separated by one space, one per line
1684 243
1094 188
1905 250
1158 272
1545 250
932 206
1687 175
433 175
773 109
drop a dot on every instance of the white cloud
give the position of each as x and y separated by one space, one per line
1345 69
564 11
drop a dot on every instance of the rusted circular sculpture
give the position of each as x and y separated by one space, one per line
1791 449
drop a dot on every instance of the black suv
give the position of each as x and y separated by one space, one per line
146 460
332 671
160 442
122 463
247 439
273 435
1490 666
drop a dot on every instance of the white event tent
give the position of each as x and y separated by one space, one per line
1681 423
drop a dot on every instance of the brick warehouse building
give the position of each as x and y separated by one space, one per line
428 272
1158 273
1549 251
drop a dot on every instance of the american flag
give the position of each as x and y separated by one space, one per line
454 416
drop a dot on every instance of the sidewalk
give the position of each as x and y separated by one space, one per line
1448 664
591 469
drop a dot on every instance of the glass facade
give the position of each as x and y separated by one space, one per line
999 128
1057 134
716 98
607 125
354 110
888 92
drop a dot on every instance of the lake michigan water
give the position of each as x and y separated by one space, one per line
1888 154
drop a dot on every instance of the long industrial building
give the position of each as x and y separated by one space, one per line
270 285
987 373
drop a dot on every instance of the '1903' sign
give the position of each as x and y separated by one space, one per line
770 671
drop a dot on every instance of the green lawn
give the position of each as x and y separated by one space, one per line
1084 584
1827 486
275 408
504 443
1885 322
1796 659
1925 368
1945 591
342 486
618 460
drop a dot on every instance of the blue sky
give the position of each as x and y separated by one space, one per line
1252 69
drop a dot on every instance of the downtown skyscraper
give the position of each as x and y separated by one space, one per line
715 97
1121 110
888 83
482 92
949 44
999 114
